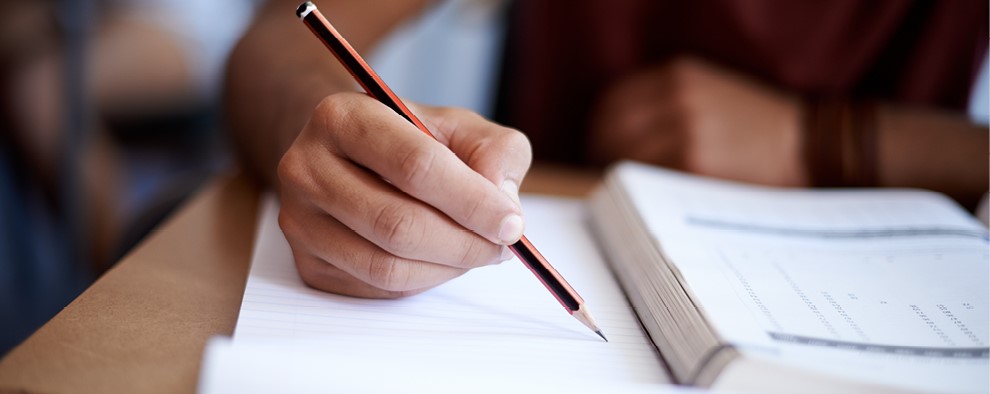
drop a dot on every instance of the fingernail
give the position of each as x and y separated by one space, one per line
511 188
506 254
511 229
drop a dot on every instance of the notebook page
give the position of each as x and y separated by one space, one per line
292 367
885 286
497 318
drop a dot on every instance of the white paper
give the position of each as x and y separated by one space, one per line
292 367
497 321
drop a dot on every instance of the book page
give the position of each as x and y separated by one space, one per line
499 320
882 286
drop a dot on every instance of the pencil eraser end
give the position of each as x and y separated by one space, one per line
304 9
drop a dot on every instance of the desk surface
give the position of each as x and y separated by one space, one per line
143 325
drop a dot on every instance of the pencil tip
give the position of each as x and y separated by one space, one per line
582 315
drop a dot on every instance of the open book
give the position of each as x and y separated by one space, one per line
750 288
696 281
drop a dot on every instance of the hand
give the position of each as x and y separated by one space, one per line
373 207
700 118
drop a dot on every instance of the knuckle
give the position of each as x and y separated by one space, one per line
289 225
457 112
310 275
468 255
309 270
296 177
327 111
509 144
394 225
416 164
290 169
475 254
516 140
334 112
308 266
285 222
333 107
386 273
474 211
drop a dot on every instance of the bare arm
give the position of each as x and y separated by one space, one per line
704 119
933 150
279 72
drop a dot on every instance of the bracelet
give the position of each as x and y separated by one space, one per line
865 126
840 143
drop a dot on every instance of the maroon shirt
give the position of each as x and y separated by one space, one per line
561 55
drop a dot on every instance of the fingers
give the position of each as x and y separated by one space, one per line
373 136
373 207
321 275
321 190
500 154
359 267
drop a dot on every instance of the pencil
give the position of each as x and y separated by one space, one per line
369 80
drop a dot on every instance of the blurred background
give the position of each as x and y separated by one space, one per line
109 120
109 112
110 117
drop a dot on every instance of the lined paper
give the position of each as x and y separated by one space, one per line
498 318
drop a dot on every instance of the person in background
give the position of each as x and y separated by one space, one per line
129 75
841 93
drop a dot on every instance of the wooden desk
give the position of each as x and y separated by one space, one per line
143 325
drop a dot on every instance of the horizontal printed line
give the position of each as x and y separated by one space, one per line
922 351
839 233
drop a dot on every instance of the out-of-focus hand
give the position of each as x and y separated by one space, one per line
697 117
373 207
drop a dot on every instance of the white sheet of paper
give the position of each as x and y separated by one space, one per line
496 325
281 366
